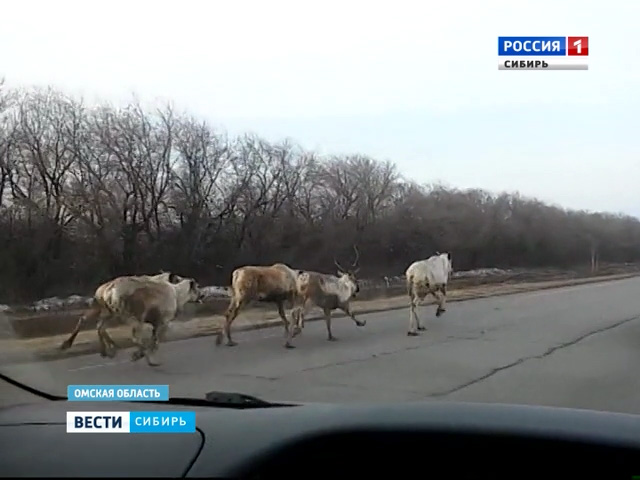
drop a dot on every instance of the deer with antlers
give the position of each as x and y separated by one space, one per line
328 292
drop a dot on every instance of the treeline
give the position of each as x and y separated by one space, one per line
88 193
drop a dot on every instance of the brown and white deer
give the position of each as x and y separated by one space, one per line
101 311
255 283
328 292
156 303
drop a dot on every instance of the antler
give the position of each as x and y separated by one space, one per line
355 263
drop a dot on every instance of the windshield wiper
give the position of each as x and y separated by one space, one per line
212 399
32 390
236 398
225 400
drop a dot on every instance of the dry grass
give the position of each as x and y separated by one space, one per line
45 348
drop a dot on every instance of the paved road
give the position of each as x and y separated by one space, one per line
572 347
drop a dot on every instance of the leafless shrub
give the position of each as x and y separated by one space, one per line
87 194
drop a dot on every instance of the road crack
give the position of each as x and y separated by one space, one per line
248 375
448 339
534 357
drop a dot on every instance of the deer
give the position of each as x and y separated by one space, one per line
328 292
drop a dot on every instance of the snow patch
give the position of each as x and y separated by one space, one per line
214 291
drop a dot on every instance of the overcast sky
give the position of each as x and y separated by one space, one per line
414 82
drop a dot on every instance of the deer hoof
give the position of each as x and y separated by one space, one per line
413 334
153 362
137 355
422 329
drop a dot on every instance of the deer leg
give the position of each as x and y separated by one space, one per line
327 319
69 341
414 321
108 347
159 331
440 298
421 294
108 338
92 312
295 319
160 326
106 333
295 324
232 313
302 311
289 333
298 314
136 337
443 302
347 309
284 318
419 325
104 349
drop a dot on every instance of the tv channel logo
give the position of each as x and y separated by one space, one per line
131 422
546 53
578 46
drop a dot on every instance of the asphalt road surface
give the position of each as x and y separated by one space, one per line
571 347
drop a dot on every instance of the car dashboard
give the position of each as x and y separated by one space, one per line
435 439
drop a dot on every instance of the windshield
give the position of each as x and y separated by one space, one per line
342 203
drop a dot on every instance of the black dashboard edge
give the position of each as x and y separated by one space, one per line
467 440
197 453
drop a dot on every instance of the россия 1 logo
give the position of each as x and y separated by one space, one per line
545 53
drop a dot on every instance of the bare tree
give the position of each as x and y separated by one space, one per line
88 193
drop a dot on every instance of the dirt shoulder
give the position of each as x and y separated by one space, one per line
13 350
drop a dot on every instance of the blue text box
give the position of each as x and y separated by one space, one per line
117 393
162 422
532 46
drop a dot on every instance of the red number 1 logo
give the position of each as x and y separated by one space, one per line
578 46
